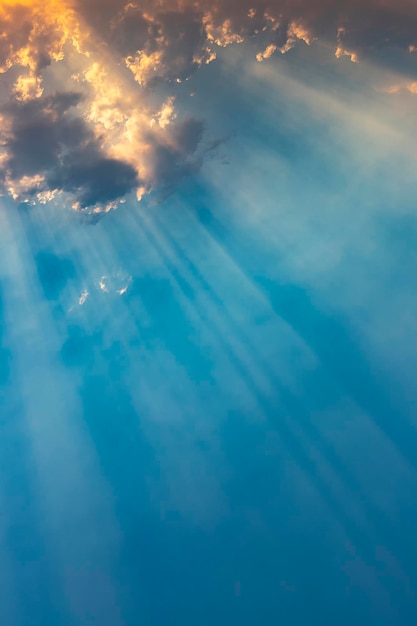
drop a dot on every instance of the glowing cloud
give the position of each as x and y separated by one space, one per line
76 117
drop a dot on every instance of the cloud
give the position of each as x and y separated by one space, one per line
48 150
170 39
174 160
85 110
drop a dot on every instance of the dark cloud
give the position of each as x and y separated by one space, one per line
370 29
187 136
186 32
176 160
181 41
49 147
93 178
177 38
53 149
39 131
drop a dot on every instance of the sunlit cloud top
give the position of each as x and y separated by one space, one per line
83 114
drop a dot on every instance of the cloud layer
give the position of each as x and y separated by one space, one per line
83 114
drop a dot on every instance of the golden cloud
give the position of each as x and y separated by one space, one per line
76 75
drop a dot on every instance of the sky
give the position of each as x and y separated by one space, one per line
208 339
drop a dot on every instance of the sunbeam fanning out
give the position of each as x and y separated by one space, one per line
208 296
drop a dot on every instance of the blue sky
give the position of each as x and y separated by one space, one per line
207 331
